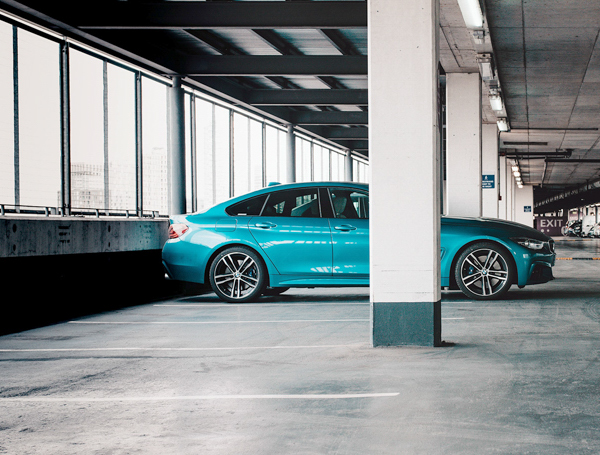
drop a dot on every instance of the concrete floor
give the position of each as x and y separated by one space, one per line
295 375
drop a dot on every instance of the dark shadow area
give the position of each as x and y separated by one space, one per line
52 289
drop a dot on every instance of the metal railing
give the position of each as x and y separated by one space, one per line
9 209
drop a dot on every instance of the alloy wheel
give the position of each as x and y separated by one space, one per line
237 274
483 272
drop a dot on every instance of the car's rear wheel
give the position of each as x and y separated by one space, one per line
484 271
237 274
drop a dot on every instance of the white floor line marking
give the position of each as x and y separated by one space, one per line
219 322
298 321
307 396
452 319
246 348
254 305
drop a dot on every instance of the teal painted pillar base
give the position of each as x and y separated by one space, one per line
406 323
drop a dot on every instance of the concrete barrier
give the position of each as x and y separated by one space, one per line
57 269
53 236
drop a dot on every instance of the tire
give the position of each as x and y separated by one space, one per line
237 275
274 291
484 271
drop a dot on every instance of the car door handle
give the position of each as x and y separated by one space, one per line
345 228
267 225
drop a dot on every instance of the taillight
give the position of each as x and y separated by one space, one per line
177 230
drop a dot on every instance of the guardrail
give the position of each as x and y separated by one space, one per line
8 209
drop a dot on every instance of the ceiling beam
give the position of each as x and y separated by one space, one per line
210 15
358 146
330 118
307 97
338 40
268 65
574 161
341 133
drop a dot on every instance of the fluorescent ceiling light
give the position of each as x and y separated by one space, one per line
486 67
517 174
496 102
515 168
471 12
503 124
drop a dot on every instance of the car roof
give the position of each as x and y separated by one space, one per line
289 186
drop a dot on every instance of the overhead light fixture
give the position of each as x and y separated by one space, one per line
479 36
496 102
471 12
486 66
515 168
517 174
503 124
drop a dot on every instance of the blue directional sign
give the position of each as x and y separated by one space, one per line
527 208
488 181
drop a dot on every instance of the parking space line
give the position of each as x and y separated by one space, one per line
296 321
134 349
308 396
254 305
578 259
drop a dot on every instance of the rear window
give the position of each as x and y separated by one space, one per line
248 207
302 202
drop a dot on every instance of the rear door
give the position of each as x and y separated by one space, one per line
293 234
350 232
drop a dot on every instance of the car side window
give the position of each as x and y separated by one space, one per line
302 202
249 207
350 204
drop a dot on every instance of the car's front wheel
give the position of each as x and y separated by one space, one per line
484 271
237 275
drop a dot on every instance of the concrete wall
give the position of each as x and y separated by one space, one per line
51 236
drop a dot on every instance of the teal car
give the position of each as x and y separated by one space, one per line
316 234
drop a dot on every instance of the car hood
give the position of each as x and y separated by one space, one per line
516 229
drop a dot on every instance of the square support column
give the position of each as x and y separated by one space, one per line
405 170
290 151
463 142
177 204
510 187
524 205
489 170
502 202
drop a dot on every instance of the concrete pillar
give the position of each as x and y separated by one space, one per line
489 170
463 142
348 175
524 205
502 188
510 185
404 181
177 148
290 175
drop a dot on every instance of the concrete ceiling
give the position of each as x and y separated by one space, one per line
306 63
548 59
